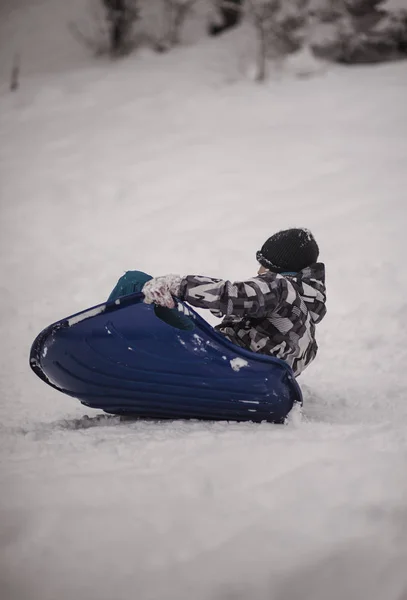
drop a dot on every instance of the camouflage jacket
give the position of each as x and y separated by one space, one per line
272 314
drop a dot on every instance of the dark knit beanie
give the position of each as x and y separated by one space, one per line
290 250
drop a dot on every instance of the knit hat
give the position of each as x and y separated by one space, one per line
289 250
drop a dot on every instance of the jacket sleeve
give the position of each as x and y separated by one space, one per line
254 297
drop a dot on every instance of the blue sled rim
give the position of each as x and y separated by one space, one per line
130 358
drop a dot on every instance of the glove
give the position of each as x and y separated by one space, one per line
160 290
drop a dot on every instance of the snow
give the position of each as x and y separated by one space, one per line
97 310
238 363
177 163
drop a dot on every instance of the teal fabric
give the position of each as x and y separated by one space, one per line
132 282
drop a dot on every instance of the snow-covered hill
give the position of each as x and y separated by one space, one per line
177 163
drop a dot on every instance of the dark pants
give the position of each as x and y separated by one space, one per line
132 282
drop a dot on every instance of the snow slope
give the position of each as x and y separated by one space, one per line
179 164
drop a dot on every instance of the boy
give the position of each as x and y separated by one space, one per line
274 313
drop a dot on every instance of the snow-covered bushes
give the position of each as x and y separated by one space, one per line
395 28
229 14
345 31
362 33
110 26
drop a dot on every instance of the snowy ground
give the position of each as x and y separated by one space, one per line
178 164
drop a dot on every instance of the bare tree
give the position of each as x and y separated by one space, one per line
175 14
277 24
15 73
263 14
121 15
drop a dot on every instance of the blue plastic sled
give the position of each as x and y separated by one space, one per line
124 358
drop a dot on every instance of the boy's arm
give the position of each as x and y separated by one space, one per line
254 297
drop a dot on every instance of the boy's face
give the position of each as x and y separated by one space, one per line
262 270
